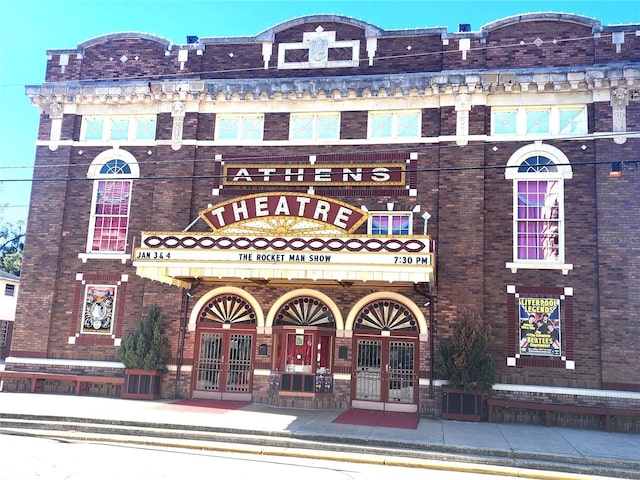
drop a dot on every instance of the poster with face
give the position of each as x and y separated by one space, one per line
540 326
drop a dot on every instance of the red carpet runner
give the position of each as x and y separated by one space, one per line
377 418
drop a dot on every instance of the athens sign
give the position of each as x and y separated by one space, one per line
361 174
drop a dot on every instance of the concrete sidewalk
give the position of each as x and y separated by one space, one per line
548 448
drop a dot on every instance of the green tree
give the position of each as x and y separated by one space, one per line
147 348
11 246
464 358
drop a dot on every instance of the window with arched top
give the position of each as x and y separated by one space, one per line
538 173
113 173
304 330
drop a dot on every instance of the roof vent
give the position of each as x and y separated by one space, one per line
464 27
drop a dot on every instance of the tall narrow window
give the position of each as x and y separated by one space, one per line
111 202
538 174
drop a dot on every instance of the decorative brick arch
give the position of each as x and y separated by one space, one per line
202 302
306 292
401 299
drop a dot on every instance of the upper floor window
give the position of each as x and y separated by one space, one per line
390 223
118 127
9 290
113 173
538 173
550 120
320 126
400 124
239 127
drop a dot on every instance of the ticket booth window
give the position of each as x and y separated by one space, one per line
308 353
299 353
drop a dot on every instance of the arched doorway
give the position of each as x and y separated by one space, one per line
304 330
225 338
386 352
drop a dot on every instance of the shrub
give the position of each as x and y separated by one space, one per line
464 359
148 348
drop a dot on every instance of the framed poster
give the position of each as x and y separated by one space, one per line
540 326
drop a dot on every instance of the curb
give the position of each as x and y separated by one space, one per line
317 446
326 455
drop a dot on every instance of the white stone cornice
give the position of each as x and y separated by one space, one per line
363 86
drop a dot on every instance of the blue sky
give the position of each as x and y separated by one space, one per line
28 28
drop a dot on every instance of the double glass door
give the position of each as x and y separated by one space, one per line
385 378
223 365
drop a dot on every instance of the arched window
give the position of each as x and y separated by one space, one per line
538 172
113 172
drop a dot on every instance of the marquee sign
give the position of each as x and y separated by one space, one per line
359 174
266 206
283 236
178 257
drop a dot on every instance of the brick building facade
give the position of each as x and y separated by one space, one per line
312 209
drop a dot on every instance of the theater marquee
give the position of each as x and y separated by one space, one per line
283 236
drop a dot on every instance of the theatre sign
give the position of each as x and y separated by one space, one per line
284 236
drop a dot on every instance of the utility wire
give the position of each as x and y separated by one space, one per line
417 148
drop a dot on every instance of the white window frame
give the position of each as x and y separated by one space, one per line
315 120
394 116
240 133
108 122
554 120
390 216
563 172
94 174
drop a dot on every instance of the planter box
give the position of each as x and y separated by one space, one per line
459 405
141 384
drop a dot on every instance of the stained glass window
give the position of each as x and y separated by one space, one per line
537 121
315 126
111 216
394 124
118 127
390 224
146 129
573 120
538 220
504 122
550 120
93 129
239 127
